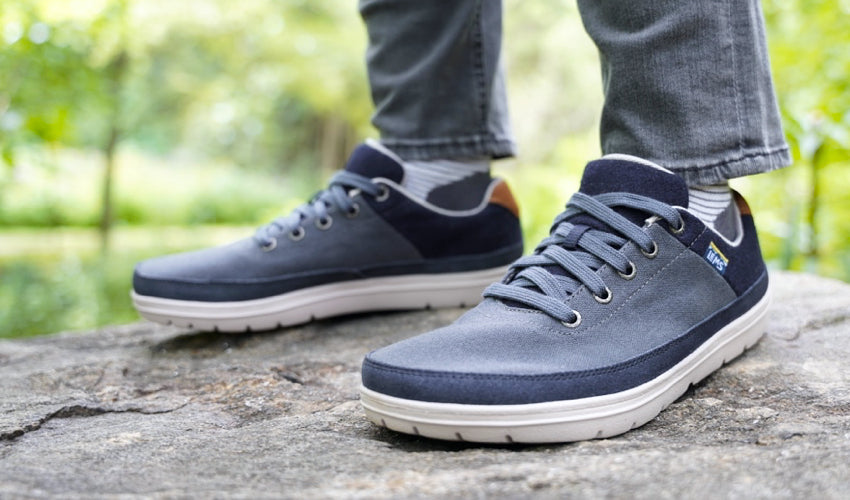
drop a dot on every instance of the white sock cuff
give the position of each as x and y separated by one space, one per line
422 176
708 202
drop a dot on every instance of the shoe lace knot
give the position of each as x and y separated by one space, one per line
583 238
338 196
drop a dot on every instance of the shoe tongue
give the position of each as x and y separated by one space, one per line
622 173
369 162
618 174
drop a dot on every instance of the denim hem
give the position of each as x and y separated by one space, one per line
472 146
748 163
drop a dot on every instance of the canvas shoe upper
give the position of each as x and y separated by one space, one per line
628 301
361 244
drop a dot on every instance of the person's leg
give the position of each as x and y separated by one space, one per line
635 294
439 93
414 221
435 76
687 85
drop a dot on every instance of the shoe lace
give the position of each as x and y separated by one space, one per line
339 194
572 253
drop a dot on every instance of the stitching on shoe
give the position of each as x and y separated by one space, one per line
554 331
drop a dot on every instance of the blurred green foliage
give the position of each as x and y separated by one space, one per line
148 192
48 296
215 113
62 282
807 204
264 84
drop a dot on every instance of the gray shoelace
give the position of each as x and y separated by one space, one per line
579 250
338 195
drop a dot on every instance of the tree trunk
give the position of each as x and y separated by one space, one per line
814 203
107 210
334 137
116 70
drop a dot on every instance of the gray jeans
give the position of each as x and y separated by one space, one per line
687 83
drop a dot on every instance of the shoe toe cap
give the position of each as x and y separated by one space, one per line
473 362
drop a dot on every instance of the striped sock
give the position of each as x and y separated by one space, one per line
713 205
455 184
423 176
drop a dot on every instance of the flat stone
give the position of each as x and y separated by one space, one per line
160 412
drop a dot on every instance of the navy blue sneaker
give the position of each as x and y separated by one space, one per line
629 301
362 244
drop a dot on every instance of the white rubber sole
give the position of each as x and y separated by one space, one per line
571 420
420 291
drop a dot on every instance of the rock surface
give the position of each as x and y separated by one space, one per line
154 411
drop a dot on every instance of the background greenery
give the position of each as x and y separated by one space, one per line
129 128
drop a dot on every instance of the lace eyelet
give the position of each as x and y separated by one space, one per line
271 245
297 234
680 229
652 253
353 212
575 323
384 194
630 273
605 298
324 223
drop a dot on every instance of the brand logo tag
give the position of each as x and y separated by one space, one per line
716 258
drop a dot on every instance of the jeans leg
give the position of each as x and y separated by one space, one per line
687 84
436 79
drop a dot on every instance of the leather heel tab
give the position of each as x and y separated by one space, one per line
503 197
743 206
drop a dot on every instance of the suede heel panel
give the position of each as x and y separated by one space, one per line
745 264
437 236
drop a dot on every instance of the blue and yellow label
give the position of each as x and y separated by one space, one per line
716 258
